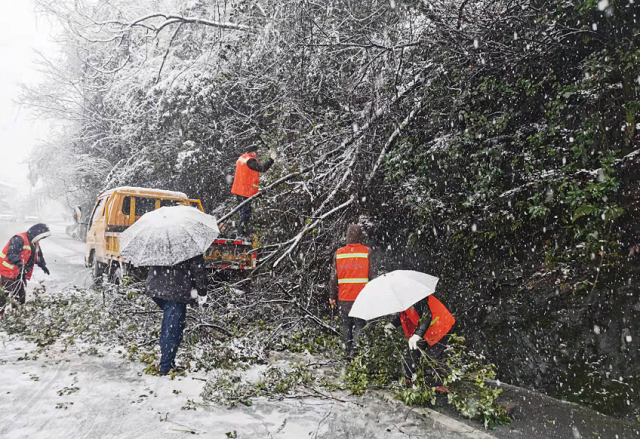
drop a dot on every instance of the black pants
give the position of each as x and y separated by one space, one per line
244 225
351 327
412 358
14 288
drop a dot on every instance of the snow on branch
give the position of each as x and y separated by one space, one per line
312 225
414 111
172 18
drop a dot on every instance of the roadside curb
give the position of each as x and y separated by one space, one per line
444 420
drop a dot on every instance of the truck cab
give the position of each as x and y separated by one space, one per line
117 209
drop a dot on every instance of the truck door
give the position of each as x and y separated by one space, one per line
95 236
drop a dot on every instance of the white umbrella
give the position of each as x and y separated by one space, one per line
392 292
168 236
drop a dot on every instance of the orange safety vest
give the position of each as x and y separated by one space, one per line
352 263
11 271
441 321
246 181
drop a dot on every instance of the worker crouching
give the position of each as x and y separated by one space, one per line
424 324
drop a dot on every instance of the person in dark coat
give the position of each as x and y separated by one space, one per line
170 288
17 261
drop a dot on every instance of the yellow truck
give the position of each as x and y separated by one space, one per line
117 209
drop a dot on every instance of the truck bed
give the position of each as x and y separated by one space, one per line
231 253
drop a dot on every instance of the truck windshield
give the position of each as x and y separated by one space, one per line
97 211
167 203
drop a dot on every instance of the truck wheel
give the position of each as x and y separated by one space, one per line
97 271
115 276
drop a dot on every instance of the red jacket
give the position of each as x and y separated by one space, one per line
246 181
12 271
441 321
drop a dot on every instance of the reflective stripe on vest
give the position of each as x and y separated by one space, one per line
353 281
353 255
6 263
352 263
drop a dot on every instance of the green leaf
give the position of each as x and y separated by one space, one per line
583 210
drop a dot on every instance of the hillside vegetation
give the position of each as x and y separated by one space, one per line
493 144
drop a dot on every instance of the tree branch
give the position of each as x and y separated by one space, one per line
166 54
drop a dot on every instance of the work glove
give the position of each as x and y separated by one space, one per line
46 270
389 328
273 154
194 293
202 300
413 342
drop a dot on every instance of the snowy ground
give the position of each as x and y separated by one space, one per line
72 393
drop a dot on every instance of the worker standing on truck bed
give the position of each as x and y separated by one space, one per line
246 183
17 260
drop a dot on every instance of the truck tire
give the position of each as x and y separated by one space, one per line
116 276
97 270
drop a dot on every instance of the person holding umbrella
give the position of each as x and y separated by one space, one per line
171 289
171 241
352 270
402 291
17 260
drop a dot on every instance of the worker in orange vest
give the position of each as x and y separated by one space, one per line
246 183
17 260
352 270
425 324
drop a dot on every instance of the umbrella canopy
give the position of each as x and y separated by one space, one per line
392 292
168 236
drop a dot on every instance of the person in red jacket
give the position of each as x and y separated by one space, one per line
352 270
425 324
246 183
17 260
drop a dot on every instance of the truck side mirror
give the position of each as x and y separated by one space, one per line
77 214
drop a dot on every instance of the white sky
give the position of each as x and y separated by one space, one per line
21 33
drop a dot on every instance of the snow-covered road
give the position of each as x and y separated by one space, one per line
75 393
83 395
